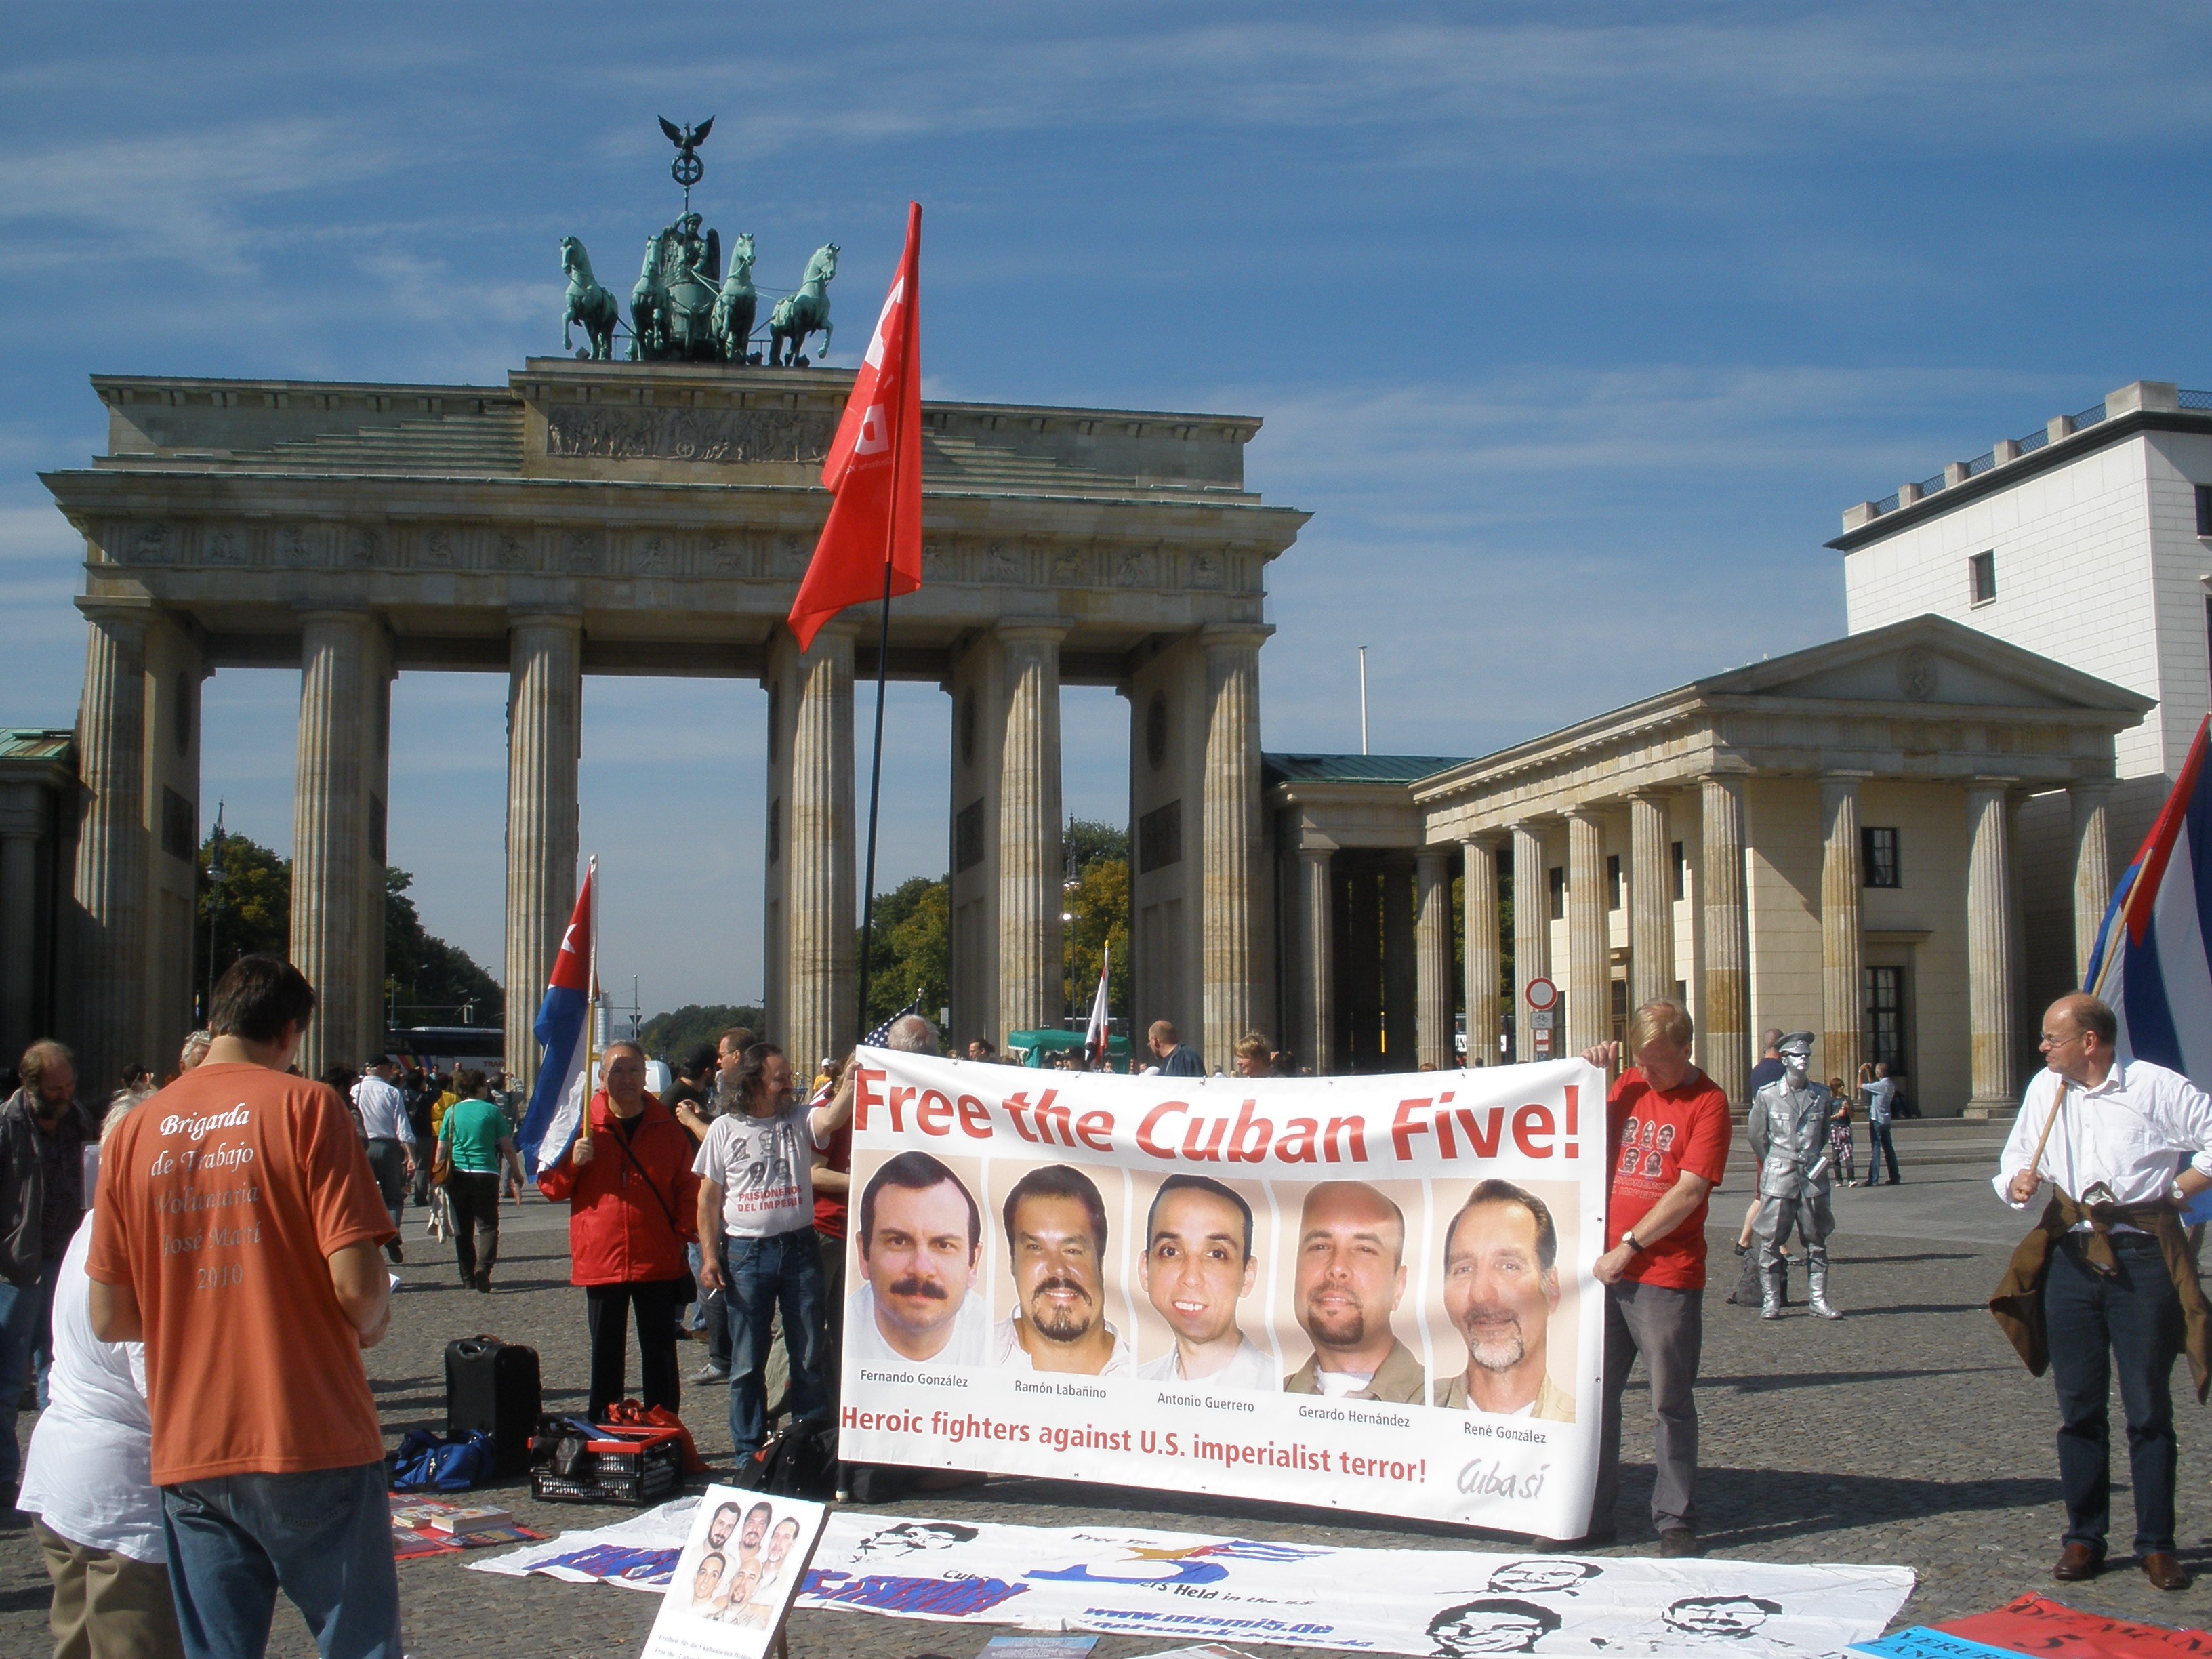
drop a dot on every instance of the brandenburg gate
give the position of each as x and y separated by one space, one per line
596 517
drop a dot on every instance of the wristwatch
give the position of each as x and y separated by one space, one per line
1634 1243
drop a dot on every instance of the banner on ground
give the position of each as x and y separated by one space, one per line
1185 1587
1369 1293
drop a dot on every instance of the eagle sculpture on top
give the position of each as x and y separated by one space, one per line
687 139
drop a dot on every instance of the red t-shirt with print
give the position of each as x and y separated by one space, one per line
1654 1136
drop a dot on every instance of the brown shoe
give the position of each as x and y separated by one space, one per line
2164 1572
2079 1561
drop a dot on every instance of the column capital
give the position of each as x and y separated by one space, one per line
1990 784
1839 774
131 618
1040 630
1484 838
1318 852
1652 794
2093 788
550 616
1432 855
1254 635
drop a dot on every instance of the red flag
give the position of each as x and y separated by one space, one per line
874 468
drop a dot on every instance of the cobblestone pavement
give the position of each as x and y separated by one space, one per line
1905 1433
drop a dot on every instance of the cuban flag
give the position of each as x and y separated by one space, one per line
557 1105
2151 964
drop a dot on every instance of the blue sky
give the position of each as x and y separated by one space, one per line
1575 327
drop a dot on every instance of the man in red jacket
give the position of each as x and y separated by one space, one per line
631 1200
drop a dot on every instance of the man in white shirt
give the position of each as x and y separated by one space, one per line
1056 1247
2119 1138
1198 1265
921 1246
383 1112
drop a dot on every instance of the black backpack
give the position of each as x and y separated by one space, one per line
798 1461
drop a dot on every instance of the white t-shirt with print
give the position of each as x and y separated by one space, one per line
765 1168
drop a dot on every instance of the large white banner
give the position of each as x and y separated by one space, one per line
1369 1293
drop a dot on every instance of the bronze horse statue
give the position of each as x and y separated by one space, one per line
588 303
798 315
736 306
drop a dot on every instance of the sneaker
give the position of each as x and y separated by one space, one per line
1678 1542
710 1374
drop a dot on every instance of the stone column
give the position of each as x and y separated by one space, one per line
1651 903
1724 1040
1400 976
1532 930
1433 951
375 716
2092 870
331 840
544 739
1317 940
1032 968
1992 949
822 926
22 817
1228 894
1843 936
1589 973
1484 952
112 846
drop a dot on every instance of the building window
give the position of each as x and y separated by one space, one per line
1681 880
1621 1010
1616 887
2204 509
1878 856
1982 577
1559 893
1885 1016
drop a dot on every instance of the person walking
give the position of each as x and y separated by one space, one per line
236 1235
1879 1089
2107 1281
1839 1133
474 1146
381 1110
631 1194
43 1135
756 1198
88 1483
1667 1127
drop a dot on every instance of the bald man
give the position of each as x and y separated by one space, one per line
1351 1276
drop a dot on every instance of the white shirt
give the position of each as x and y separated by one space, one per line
968 1345
1876 1092
383 1110
1248 1369
1008 1354
90 1470
1339 1385
765 1168
2130 1132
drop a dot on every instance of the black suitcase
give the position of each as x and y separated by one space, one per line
493 1386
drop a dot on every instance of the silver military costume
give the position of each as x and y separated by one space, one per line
1787 1128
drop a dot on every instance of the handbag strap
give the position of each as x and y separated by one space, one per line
667 1214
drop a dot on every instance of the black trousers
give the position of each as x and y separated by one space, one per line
610 1308
2130 1322
475 1202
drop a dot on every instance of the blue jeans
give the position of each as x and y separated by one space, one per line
763 1272
323 1536
1878 1145
2133 1318
25 1321
710 1314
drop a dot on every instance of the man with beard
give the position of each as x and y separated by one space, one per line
1351 1278
1197 1266
1056 1247
1501 1286
922 1239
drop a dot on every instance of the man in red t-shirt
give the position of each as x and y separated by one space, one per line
1668 1132
239 1233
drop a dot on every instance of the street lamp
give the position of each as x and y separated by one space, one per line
215 878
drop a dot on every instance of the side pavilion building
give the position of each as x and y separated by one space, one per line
1824 840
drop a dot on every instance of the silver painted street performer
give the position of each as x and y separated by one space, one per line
1787 1128
2107 1276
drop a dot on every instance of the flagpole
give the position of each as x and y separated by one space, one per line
590 997
876 773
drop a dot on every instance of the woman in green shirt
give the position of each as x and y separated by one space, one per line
473 1140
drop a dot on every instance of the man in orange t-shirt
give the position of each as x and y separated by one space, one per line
1668 1132
237 1234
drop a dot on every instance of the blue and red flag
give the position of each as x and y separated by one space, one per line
2151 964
557 1105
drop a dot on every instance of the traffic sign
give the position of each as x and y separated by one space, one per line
1541 994
1540 1020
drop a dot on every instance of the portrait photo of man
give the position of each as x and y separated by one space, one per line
1501 1288
1350 1278
1496 1623
1197 1267
920 1243
913 1537
1056 1249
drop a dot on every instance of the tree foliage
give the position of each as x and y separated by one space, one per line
913 949
428 981
668 1036
1087 841
1098 904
